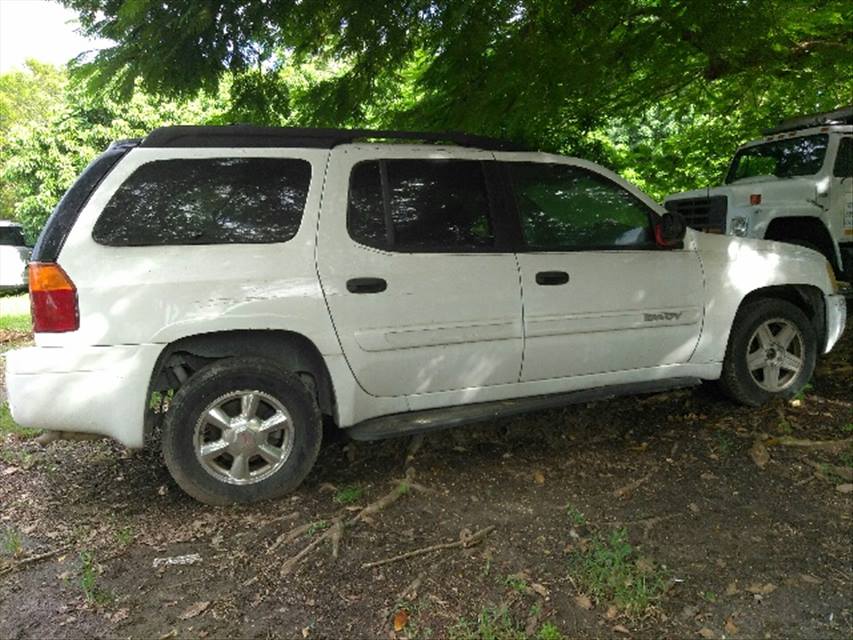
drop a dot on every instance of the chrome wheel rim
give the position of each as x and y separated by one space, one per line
775 354
243 437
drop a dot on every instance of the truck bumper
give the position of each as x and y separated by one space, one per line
836 318
98 390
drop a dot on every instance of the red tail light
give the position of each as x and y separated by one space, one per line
53 299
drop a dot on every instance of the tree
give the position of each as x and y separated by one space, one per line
540 71
40 158
29 99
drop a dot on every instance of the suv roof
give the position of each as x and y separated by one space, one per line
241 135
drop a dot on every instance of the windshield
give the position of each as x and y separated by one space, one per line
12 236
781 158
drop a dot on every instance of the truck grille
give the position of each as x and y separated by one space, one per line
703 214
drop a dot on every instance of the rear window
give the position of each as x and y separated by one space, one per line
12 236
207 201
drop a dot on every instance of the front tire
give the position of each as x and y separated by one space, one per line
771 352
241 430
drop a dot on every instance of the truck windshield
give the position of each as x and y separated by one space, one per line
11 236
781 158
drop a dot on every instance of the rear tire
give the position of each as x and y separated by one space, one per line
241 430
771 352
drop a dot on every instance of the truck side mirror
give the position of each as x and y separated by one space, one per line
670 230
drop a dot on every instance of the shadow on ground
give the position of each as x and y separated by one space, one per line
736 524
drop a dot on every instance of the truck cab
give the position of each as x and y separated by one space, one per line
793 185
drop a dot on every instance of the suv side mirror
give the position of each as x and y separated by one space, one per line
670 230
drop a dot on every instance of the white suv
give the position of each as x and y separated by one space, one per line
258 279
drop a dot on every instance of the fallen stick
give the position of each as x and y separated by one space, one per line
32 559
335 533
465 543
628 488
829 445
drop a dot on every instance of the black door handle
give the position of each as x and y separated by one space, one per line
366 285
552 277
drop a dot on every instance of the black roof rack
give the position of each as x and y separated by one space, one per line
839 116
241 135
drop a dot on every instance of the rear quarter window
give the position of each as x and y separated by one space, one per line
207 201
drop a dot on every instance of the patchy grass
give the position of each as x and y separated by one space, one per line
89 571
724 443
517 583
498 624
8 426
124 536
318 526
348 495
20 323
10 542
608 569
575 516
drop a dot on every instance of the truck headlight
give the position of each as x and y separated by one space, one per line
740 226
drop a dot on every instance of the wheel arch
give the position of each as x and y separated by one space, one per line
806 229
808 298
180 359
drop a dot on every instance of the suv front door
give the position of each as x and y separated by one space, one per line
423 297
599 295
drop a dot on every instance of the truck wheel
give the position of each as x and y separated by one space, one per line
771 352
241 430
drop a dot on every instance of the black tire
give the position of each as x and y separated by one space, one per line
736 380
216 381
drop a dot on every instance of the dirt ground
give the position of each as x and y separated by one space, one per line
738 524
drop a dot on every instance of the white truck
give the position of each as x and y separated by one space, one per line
793 185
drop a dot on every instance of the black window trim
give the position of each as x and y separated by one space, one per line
520 245
203 242
498 214
838 157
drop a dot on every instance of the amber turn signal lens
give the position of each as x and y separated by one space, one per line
53 299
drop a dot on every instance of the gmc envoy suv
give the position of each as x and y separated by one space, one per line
254 280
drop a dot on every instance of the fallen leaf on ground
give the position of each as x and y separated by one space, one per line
705 632
540 589
730 626
759 454
762 589
539 477
621 492
810 579
583 602
8 471
622 629
844 488
612 612
401 619
732 588
196 609
645 566
119 615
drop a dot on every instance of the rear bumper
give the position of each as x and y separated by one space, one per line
99 390
836 319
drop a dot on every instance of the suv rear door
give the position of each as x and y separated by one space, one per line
599 295
423 293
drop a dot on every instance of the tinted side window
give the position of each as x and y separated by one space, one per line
565 207
844 160
420 205
207 201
